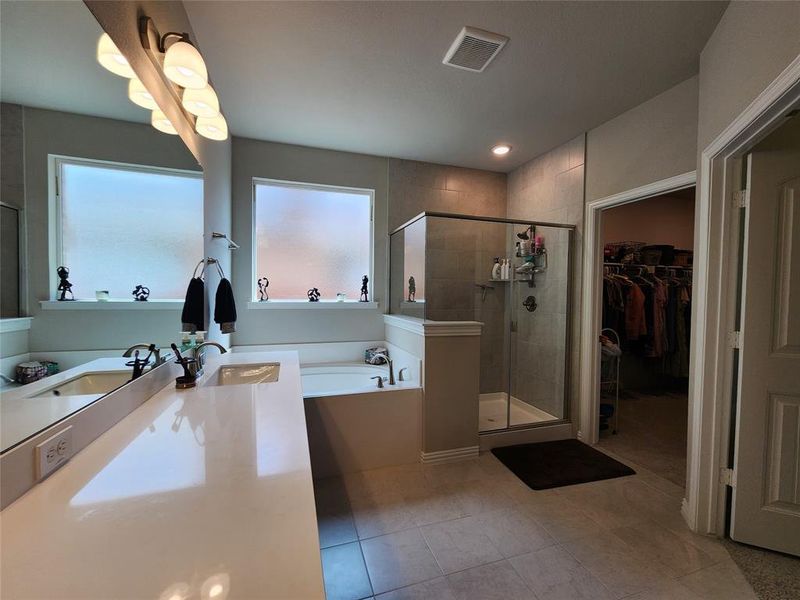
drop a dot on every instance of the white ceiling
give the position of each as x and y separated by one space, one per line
48 60
367 76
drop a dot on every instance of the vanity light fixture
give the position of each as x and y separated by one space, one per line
501 149
139 95
213 128
183 64
111 58
201 103
161 122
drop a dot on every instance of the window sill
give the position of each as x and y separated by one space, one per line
111 305
306 305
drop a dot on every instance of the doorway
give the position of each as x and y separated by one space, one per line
645 263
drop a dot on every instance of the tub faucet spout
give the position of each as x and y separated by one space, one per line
391 368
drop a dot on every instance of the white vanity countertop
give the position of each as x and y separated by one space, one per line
202 493
24 414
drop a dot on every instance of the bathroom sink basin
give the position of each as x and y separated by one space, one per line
100 382
244 374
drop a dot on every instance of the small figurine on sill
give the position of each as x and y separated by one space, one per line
263 284
412 289
64 286
141 293
313 295
364 289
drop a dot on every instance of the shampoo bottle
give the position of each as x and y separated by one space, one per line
497 269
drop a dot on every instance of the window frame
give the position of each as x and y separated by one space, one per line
55 168
315 187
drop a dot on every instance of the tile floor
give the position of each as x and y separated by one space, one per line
470 530
652 432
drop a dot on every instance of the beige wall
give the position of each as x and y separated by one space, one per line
659 220
415 187
549 188
653 141
253 158
12 149
450 406
13 343
752 44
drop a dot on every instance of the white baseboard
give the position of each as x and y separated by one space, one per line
448 455
686 514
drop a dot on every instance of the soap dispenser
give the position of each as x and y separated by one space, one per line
497 269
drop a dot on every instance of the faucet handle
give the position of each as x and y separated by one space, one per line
400 374
380 380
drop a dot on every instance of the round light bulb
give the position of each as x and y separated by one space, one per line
160 121
139 95
184 65
201 103
213 128
111 58
501 149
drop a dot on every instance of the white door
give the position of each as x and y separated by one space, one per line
766 494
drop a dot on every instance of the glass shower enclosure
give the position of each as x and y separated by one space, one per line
443 267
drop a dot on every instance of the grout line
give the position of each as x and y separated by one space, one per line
366 569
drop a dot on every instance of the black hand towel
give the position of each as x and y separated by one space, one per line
225 307
193 317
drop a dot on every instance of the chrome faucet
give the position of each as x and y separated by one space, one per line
391 367
157 353
198 354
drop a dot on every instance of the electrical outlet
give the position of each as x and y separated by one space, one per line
54 452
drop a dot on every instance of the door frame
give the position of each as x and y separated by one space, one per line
713 304
589 417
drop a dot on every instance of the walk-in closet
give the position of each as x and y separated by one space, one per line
646 316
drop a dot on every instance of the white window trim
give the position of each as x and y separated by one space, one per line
298 303
55 164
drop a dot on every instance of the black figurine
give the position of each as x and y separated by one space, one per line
412 289
263 284
141 293
313 295
364 289
64 286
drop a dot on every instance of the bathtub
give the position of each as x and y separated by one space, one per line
330 379
353 425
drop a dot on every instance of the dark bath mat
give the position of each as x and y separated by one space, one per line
555 464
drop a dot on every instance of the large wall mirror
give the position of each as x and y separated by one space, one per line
87 183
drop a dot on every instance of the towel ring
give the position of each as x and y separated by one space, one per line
205 262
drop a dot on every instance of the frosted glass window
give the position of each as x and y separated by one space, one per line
312 236
122 227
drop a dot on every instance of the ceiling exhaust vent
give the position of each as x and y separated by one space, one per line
474 49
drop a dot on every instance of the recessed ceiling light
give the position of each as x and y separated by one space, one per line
501 149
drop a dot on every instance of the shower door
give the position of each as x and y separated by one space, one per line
539 326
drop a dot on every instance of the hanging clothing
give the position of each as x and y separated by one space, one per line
635 319
652 315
